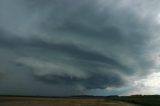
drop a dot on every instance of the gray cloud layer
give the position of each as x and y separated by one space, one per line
73 45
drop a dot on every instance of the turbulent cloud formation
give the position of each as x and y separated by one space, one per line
76 46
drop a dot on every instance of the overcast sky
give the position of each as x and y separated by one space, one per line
72 47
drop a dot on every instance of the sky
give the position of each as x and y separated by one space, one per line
79 47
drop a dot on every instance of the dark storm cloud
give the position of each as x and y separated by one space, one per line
85 44
93 82
69 49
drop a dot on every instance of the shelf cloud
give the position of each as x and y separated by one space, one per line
54 46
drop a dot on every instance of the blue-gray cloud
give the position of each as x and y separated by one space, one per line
87 44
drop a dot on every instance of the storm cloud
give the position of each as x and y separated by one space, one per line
78 46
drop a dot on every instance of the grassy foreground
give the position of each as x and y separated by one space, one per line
142 100
136 100
63 101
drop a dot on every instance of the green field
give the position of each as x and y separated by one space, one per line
80 101
147 100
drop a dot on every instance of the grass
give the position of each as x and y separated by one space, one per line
147 100
135 100
63 101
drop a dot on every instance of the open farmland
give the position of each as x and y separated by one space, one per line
68 101
142 100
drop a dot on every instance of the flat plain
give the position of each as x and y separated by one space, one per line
69 101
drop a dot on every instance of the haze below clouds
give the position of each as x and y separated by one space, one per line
71 47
